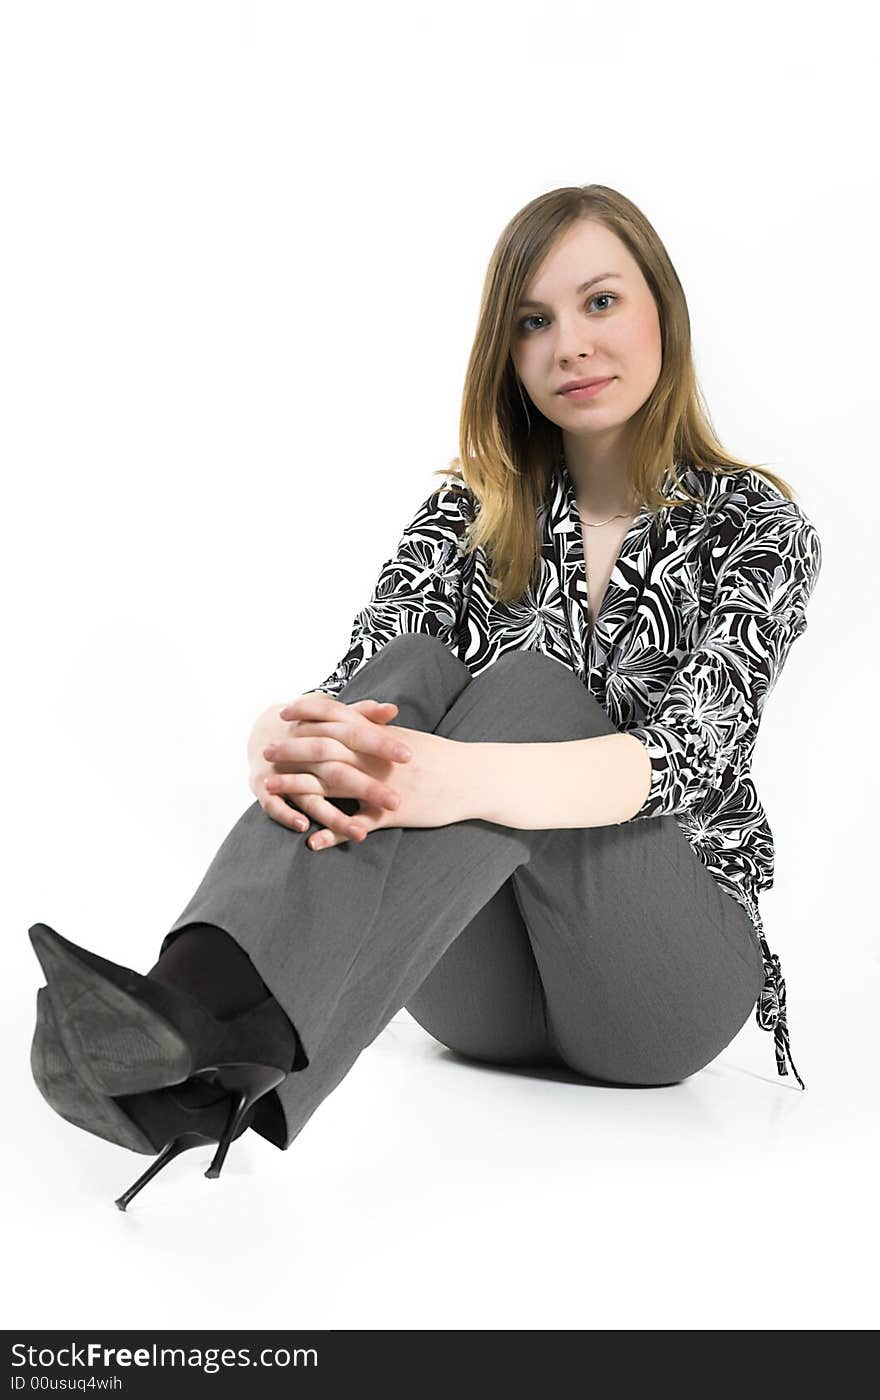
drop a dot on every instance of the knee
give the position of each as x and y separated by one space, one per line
534 693
538 672
418 641
429 650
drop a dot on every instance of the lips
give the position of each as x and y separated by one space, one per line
584 383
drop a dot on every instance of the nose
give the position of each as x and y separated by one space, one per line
574 345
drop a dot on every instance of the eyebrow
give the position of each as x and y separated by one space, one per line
601 277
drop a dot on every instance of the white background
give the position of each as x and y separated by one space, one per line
243 246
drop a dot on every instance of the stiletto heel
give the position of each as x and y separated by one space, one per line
174 1127
252 1082
173 1149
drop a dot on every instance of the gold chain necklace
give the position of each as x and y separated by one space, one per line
595 524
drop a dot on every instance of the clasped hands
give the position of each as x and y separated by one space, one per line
400 777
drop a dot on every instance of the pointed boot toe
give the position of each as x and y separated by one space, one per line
67 1095
163 1121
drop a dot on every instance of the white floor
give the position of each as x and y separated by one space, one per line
429 1192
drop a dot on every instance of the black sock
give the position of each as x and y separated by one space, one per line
205 961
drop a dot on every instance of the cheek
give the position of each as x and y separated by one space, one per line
531 371
523 358
646 336
640 348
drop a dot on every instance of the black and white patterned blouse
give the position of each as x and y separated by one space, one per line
695 625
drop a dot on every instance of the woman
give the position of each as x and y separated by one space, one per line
535 781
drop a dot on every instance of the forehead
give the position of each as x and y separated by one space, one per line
582 253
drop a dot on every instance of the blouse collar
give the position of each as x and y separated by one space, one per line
564 544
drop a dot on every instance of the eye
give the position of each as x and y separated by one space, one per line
603 296
597 296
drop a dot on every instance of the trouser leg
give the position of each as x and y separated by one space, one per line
346 937
325 930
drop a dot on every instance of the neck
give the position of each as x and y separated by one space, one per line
600 483
599 500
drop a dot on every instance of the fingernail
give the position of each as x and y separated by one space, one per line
401 752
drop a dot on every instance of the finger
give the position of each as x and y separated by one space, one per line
381 706
325 742
380 711
364 738
278 810
315 705
333 778
322 840
368 819
335 822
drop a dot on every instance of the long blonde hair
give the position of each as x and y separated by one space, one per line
504 458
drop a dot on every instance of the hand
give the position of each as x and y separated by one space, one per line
427 791
271 729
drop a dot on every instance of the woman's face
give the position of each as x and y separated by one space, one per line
611 328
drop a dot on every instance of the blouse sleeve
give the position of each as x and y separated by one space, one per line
418 589
705 724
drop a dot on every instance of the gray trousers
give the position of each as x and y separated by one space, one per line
609 950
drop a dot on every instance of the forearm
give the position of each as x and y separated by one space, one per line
573 783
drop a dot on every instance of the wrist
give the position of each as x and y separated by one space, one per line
465 768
